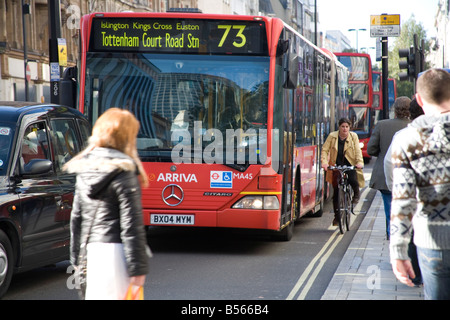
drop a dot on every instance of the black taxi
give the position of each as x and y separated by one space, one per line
36 196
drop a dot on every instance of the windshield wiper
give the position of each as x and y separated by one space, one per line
238 167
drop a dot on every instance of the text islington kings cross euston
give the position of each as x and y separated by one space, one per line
166 40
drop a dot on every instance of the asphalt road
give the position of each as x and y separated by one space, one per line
222 264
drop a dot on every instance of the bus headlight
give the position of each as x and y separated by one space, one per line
271 203
257 202
361 145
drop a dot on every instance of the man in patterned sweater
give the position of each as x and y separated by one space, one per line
421 188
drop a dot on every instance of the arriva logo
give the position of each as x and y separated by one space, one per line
177 177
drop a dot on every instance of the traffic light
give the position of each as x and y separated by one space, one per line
411 64
414 61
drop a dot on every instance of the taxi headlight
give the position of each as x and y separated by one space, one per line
257 202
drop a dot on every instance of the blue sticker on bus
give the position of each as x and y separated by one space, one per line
221 179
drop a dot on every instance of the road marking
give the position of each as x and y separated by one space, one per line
323 255
319 268
310 267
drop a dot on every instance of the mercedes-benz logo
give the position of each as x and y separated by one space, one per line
172 195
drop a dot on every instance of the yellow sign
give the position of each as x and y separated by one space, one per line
62 52
385 20
385 25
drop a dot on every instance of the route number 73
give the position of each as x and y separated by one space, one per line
238 35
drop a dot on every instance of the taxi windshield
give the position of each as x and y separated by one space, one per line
6 134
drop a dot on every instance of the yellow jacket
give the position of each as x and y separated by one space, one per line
352 153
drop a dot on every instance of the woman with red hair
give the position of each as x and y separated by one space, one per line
106 218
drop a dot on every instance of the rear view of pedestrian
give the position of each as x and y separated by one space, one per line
378 145
106 217
420 191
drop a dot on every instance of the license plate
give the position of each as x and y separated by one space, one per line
182 219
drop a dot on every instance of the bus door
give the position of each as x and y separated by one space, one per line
319 134
288 155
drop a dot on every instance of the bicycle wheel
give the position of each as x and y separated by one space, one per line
342 209
348 207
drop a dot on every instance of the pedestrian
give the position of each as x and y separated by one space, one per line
421 184
378 145
415 111
107 211
342 148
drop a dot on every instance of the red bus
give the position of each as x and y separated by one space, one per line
233 112
360 95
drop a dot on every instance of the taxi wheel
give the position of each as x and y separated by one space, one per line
6 265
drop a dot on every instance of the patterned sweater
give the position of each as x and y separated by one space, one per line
421 186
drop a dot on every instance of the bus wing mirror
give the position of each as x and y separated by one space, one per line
282 48
291 73
68 90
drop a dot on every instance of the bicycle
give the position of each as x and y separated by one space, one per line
344 197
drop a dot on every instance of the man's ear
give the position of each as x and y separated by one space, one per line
419 99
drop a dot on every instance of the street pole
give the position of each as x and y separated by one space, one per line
54 18
25 10
417 67
316 41
385 70
357 30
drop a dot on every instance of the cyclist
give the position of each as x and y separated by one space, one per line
342 148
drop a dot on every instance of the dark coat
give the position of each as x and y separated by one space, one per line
378 145
107 186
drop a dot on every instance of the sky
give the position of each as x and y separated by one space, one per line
355 14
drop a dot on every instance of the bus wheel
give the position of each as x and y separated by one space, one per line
6 263
286 233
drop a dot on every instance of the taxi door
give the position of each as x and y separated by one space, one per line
41 198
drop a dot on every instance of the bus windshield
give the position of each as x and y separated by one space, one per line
360 117
359 74
179 95
358 93
358 67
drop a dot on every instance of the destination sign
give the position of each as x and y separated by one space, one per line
201 36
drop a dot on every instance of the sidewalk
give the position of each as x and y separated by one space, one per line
365 272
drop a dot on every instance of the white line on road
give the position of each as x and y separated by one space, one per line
323 255
311 265
318 269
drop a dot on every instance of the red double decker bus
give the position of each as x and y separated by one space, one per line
233 112
360 95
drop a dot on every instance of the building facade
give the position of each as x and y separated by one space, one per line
336 41
440 52
34 15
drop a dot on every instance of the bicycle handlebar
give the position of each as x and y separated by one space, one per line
342 168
